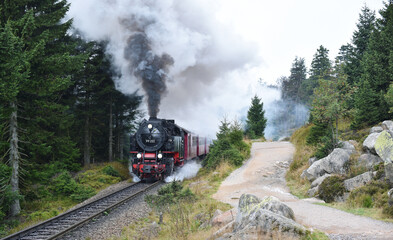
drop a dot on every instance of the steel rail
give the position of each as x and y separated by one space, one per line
75 217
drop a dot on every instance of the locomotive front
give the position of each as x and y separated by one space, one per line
149 145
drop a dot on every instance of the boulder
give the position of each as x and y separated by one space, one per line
389 172
246 204
258 218
368 160
312 191
319 180
348 147
387 125
335 163
223 218
358 181
376 129
274 205
384 146
369 142
312 160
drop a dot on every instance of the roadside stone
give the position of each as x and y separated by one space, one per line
388 125
384 146
335 163
312 191
319 180
389 172
256 217
224 218
312 160
358 181
274 205
348 146
369 160
376 129
369 143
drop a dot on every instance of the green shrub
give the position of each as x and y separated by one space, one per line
372 194
331 188
82 193
109 170
326 146
64 184
169 194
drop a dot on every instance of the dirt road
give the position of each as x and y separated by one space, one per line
263 175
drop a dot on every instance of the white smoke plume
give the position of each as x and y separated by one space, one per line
205 51
189 170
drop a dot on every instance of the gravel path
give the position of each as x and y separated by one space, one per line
263 175
111 225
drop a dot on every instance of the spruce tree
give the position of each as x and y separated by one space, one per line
320 69
14 69
36 104
256 121
377 72
354 52
291 85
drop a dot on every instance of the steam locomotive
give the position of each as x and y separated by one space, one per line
159 145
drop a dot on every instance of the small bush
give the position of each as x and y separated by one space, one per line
82 193
373 194
331 188
109 170
169 194
64 184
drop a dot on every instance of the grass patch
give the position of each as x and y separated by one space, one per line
297 185
188 219
66 190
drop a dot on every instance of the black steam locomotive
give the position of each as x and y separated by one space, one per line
159 145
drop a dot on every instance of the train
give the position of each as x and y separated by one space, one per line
160 146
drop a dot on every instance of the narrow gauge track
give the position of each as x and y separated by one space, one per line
58 226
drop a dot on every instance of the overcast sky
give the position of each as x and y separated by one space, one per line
220 48
288 28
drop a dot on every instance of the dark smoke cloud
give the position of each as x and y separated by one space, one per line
150 69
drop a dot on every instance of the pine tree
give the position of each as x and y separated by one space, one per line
320 69
256 121
14 69
377 72
354 52
291 86
36 105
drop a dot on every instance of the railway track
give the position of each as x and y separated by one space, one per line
60 225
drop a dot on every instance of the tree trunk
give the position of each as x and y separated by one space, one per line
87 144
14 159
121 141
110 149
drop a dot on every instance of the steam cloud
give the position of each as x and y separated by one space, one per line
189 170
150 40
151 69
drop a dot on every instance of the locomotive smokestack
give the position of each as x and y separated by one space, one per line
153 118
150 69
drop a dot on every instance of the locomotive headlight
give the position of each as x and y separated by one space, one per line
159 155
149 126
139 155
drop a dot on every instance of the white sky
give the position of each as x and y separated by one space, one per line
288 28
